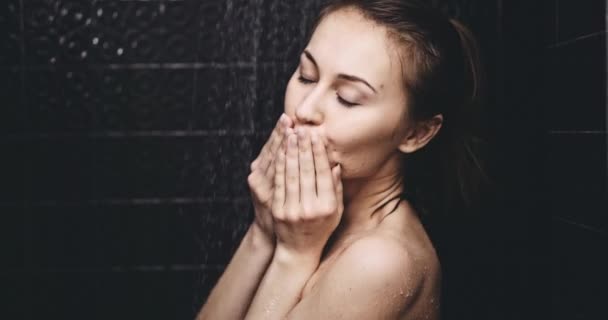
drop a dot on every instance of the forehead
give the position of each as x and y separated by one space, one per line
347 42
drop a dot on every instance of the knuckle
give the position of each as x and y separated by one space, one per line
292 179
252 179
327 208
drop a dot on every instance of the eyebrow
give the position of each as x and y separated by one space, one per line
341 75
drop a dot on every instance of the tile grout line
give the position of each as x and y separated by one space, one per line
577 132
581 225
27 216
556 21
116 269
580 38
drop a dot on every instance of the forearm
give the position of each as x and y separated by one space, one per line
231 296
282 285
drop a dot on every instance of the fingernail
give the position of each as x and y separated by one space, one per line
282 119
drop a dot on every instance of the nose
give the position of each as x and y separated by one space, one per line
308 112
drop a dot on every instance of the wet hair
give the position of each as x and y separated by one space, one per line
442 74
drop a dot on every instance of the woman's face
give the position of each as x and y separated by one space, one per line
348 88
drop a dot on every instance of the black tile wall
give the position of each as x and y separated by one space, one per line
12 238
12 184
575 85
12 111
10 34
15 295
578 272
580 18
576 178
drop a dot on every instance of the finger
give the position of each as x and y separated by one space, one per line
272 167
325 185
269 172
278 197
337 174
292 174
268 150
308 190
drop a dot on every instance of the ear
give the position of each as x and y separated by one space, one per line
421 134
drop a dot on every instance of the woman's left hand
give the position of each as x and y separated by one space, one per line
307 202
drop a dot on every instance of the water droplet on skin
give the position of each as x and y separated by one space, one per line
95 41
119 51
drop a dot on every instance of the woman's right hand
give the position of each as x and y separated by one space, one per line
261 178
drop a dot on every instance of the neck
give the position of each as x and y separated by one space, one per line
367 201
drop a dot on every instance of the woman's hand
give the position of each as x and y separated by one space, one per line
307 204
261 178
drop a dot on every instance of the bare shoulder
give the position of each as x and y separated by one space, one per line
381 275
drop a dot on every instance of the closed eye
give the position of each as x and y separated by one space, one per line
340 99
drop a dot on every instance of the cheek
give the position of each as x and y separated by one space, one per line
360 152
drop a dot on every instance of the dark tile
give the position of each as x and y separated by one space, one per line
145 99
185 296
65 236
227 31
12 237
15 295
549 22
580 18
65 296
12 109
284 28
575 178
208 233
575 85
134 295
72 32
59 101
217 166
10 36
270 87
141 167
578 272
59 169
12 171
82 100
225 98
134 235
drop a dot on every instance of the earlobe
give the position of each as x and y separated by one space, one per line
422 133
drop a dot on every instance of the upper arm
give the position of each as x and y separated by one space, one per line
374 278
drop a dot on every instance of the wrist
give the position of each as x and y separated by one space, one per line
290 257
258 239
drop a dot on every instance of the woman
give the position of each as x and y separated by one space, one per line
335 234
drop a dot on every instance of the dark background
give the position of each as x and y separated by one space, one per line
127 128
